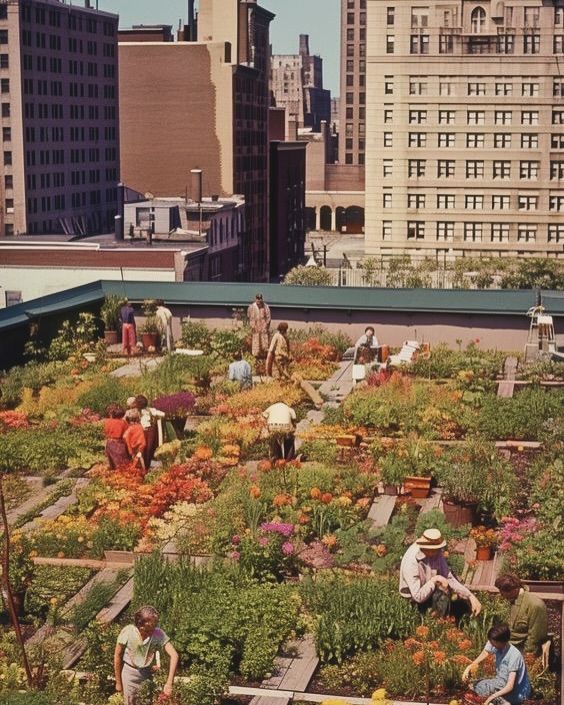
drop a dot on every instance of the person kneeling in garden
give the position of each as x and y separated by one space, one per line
427 580
135 659
511 683
528 618
281 424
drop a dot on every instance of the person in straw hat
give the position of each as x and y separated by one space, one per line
427 580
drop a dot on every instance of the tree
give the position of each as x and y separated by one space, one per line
535 273
308 276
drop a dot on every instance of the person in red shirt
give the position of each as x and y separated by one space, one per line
114 428
134 437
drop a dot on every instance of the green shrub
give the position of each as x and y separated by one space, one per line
196 336
32 376
109 390
52 581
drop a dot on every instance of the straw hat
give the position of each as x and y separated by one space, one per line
431 538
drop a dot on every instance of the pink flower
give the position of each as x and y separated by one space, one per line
235 540
235 555
263 541
287 548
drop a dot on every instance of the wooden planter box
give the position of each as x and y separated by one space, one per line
459 514
418 487
553 587
391 490
348 441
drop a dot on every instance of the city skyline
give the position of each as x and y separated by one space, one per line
318 18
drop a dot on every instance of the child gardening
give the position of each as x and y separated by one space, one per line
511 683
135 652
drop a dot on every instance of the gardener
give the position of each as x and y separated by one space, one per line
259 317
528 618
367 344
281 424
240 371
135 658
128 329
427 580
511 683
151 420
134 438
164 317
114 427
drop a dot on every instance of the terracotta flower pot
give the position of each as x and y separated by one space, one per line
484 553
150 340
111 337
459 514
418 487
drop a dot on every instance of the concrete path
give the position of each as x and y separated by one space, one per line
136 366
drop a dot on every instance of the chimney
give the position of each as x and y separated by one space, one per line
304 44
196 185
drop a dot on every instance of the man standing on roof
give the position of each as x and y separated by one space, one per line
259 317
164 317
128 329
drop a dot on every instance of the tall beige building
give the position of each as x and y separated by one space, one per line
465 115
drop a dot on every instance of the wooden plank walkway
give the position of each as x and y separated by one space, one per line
431 502
59 507
340 384
38 496
278 696
381 510
506 387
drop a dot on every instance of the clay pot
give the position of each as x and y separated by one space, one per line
418 487
150 340
111 337
484 553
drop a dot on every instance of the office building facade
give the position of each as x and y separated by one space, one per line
464 128
59 113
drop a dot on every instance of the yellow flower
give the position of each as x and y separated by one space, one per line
53 601
454 702
379 694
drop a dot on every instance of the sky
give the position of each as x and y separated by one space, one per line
318 18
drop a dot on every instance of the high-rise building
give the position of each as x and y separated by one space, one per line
464 128
296 82
60 137
187 105
352 122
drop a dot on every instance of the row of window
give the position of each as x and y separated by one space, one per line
449 17
478 140
55 88
419 85
475 232
476 117
504 44
475 169
497 202
75 21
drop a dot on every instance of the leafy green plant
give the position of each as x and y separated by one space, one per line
110 312
77 337
308 276
196 336
53 582
106 391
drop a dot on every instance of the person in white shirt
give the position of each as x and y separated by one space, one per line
426 578
368 342
281 424
164 317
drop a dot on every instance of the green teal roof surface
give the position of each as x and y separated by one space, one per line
489 302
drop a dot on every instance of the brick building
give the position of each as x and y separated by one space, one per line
59 114
209 111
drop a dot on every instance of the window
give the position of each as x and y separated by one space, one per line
501 203
445 167
349 112
502 140
505 44
475 141
387 200
388 115
3 36
558 117
418 117
476 117
350 34
478 20
474 169
473 232
473 203
445 231
417 86
388 139
7 158
529 170
475 88
387 167
415 229
446 200
558 44
529 87
419 44
556 203
350 98
558 88
5 85
388 85
532 16
529 141
446 139
386 230
390 39
416 167
501 169
557 141
529 117
502 117
8 182
419 16
527 203
531 43
6 134
390 16
350 17
446 44
526 232
348 158
446 117
416 200
446 86
556 232
500 232
417 139
556 170
504 88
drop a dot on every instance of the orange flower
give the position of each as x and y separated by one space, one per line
203 453
411 643
380 550
439 656
464 644
254 491
329 540
461 660
434 645
418 658
422 631
264 466
281 500
326 497
315 493
303 519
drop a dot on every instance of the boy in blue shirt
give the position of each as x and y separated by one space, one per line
511 683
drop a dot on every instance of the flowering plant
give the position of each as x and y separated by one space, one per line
10 420
175 405
484 537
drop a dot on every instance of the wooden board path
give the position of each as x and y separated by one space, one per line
381 510
59 507
39 495
506 387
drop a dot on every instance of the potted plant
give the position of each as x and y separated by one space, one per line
109 313
486 541
150 331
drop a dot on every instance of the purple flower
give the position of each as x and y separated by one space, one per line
287 548
179 404
235 555
274 527
263 541
235 540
